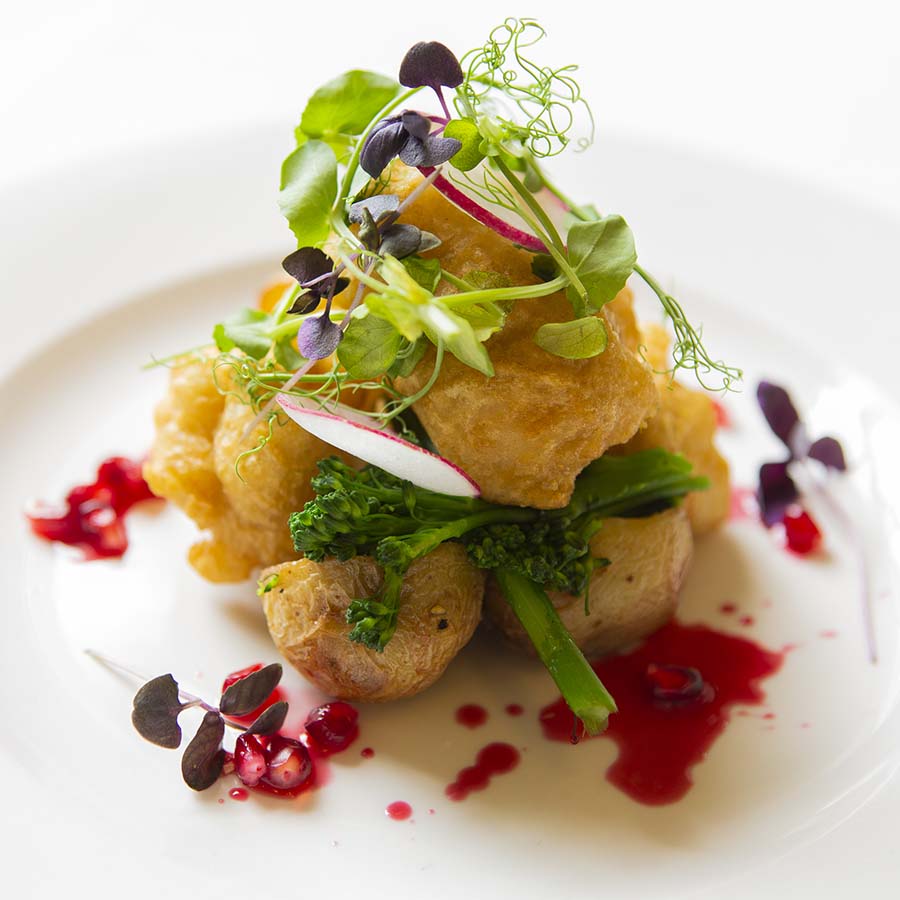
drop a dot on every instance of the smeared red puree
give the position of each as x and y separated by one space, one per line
660 741
494 759
93 517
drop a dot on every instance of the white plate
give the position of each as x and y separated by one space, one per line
107 265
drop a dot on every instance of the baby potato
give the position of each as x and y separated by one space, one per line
440 609
632 597
686 423
525 434
199 436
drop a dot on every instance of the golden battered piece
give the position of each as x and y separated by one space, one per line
525 434
632 597
199 435
439 610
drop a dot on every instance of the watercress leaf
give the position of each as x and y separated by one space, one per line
249 692
408 357
155 713
469 154
369 347
308 190
346 104
441 323
430 64
400 313
379 206
287 356
204 757
319 337
603 256
579 339
270 720
248 330
426 272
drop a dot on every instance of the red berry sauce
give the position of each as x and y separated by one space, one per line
367 753
276 695
494 759
471 715
801 534
514 709
675 694
239 794
93 519
399 810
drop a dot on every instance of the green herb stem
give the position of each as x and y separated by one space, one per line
581 688
522 292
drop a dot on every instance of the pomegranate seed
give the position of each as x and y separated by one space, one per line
249 759
677 684
288 764
801 533
333 726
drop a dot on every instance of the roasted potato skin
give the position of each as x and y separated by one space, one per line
440 608
526 433
199 436
632 597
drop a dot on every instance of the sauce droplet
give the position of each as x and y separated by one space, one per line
238 794
494 759
660 742
514 709
367 753
399 810
471 715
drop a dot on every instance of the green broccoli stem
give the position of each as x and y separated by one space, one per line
581 688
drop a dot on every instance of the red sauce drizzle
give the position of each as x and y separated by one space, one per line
471 715
399 810
494 759
660 742
514 709
93 519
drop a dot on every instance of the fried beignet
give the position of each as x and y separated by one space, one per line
632 597
525 434
439 610
199 436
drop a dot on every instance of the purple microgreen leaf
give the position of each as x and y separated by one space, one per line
416 125
379 206
249 693
779 411
204 757
155 714
269 721
430 64
829 452
400 240
777 492
368 231
309 264
433 151
383 143
318 338
305 303
428 241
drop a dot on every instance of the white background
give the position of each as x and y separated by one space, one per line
808 88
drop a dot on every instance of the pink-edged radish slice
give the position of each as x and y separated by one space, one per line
347 429
498 218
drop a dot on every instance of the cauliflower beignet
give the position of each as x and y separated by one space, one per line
525 434
632 597
199 436
439 611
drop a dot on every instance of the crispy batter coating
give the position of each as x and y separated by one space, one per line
440 609
526 433
199 435
632 597
686 423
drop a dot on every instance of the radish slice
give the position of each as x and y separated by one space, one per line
507 224
349 430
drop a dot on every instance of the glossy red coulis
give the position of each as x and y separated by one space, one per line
494 759
399 810
367 753
239 794
801 534
471 715
661 736
93 518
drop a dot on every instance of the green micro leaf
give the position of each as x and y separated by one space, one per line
457 334
248 330
485 318
369 347
409 356
308 191
603 256
579 339
287 356
467 133
346 104
426 272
